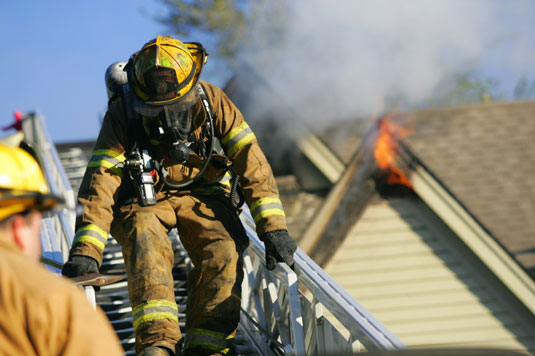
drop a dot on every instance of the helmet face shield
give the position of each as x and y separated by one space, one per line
145 109
169 124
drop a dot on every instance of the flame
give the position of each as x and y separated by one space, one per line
385 151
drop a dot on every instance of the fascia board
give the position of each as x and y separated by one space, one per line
322 157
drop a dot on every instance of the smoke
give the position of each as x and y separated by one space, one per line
337 60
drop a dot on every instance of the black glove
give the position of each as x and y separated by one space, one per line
79 265
280 247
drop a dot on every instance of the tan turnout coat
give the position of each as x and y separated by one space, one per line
44 315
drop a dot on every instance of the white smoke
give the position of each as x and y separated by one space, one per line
341 59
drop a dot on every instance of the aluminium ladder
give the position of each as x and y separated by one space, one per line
284 311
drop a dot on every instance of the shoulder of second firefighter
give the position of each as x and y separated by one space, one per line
38 300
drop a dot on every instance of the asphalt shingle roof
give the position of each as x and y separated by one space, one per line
484 154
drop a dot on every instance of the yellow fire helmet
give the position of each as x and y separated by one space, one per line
22 184
165 72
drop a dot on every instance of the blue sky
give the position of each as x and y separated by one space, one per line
55 53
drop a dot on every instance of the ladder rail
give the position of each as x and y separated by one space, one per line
286 316
277 316
36 134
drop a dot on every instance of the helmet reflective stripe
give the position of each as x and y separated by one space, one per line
109 159
266 207
208 339
153 310
237 138
93 234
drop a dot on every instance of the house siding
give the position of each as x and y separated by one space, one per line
417 278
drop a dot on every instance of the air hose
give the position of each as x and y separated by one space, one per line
206 104
205 165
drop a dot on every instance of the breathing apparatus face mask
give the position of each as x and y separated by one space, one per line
168 123
169 127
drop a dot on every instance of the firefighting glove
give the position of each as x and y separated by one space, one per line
280 247
79 265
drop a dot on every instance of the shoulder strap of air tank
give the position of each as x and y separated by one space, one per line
131 117
218 147
236 194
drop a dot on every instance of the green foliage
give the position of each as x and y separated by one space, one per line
467 88
524 90
224 20
228 24
470 87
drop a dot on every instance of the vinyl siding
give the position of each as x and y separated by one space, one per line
416 277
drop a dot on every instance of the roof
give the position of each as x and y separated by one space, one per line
484 155
425 264
299 206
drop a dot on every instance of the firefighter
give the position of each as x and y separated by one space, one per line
41 313
174 152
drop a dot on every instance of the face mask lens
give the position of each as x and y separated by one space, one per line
178 123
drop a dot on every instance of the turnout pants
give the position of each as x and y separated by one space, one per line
214 239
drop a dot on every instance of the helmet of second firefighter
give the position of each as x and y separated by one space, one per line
22 184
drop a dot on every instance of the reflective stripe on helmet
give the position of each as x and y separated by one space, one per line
265 207
93 234
237 138
208 339
154 310
109 159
